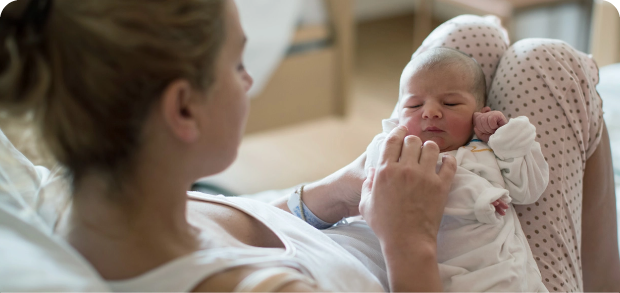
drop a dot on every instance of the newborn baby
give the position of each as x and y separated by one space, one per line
481 246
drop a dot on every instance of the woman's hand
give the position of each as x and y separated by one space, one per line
405 195
403 202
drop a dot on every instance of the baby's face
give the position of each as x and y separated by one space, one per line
437 104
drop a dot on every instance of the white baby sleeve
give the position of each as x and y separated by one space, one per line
523 166
374 148
372 152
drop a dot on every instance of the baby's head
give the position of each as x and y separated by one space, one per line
440 90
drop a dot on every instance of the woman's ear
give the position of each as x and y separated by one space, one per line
179 110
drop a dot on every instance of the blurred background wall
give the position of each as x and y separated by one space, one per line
368 10
566 20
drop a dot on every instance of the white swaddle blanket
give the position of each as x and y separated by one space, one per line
478 250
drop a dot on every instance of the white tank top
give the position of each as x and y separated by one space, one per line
307 250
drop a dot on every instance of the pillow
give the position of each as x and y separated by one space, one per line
33 259
23 187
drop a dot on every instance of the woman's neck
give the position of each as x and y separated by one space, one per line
127 232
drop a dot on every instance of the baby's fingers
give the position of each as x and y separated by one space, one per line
502 121
486 124
499 119
500 207
494 122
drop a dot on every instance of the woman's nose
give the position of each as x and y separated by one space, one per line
431 112
248 81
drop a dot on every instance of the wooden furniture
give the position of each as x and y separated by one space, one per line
313 81
605 37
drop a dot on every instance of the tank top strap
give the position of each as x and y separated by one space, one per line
185 273
272 280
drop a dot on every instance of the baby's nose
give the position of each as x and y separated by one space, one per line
432 112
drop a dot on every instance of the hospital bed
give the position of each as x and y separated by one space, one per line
312 77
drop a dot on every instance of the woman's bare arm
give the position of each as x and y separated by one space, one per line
336 196
599 238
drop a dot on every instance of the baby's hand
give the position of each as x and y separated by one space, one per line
487 121
500 207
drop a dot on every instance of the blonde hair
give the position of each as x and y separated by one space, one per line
89 76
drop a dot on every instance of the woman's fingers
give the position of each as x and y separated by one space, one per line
429 156
448 169
393 145
370 179
412 147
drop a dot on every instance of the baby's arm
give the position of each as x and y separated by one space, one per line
520 159
486 122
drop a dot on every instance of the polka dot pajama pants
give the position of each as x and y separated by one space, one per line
554 86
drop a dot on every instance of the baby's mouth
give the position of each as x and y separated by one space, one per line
433 129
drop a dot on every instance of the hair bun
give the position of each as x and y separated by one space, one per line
24 71
21 14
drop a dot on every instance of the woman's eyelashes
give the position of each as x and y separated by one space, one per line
240 67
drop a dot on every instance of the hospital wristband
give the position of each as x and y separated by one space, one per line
300 210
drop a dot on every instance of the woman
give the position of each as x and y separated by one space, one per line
138 100
152 97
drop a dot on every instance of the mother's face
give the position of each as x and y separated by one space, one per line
227 105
